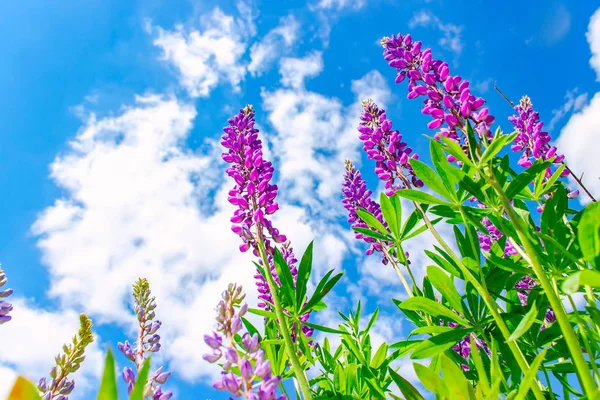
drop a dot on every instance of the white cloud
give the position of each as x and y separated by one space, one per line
341 4
294 71
135 204
34 337
451 39
593 38
574 102
275 43
205 57
579 141
313 136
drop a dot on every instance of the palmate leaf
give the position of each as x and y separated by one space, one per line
304 271
408 390
526 323
391 209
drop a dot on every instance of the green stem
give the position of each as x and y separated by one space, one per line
397 269
281 321
585 378
489 302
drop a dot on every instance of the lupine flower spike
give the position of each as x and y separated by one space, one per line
254 380
60 386
447 99
5 306
148 341
254 195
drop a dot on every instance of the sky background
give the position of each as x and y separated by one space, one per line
110 164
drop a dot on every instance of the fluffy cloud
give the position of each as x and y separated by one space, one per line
580 137
451 39
135 205
315 133
579 141
294 71
593 38
33 338
278 41
207 56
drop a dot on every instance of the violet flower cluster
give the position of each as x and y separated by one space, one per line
254 195
532 141
355 196
148 341
254 380
523 288
5 306
447 99
463 347
384 145
59 386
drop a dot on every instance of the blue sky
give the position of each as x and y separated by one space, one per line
111 113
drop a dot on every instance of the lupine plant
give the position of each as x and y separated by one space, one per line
496 314
5 306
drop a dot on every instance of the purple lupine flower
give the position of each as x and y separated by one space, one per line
60 386
255 380
384 145
356 194
523 288
448 99
148 341
463 347
5 306
533 142
254 195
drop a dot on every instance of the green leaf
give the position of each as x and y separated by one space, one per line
445 170
304 270
446 287
586 277
439 343
285 275
408 390
432 308
420 230
323 328
588 234
371 220
23 390
324 286
458 386
392 212
529 378
481 370
108 387
430 380
454 149
494 148
526 323
373 234
472 142
262 313
425 173
138 389
420 197
430 329
379 356
525 178
372 320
